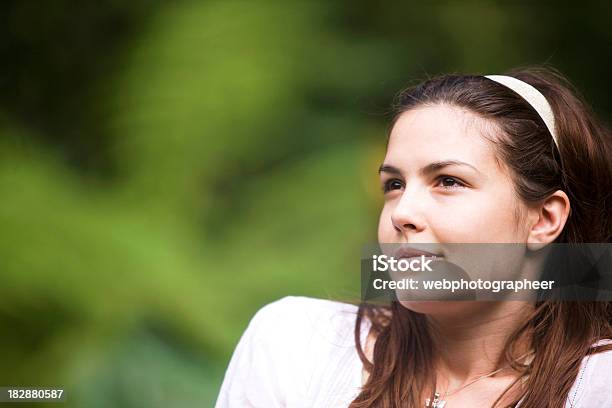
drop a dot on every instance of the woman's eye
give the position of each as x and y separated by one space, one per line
449 182
392 184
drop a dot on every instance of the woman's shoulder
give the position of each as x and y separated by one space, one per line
304 317
296 351
592 387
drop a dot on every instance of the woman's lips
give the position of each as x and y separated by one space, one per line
433 257
405 252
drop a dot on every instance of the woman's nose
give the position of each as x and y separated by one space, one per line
407 216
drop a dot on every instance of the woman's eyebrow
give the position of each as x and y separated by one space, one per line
430 168
435 166
385 168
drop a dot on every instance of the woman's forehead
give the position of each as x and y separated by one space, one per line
440 132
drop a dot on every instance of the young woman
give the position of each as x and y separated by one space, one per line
517 158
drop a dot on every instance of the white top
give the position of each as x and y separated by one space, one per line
300 352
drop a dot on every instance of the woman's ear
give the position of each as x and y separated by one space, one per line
549 219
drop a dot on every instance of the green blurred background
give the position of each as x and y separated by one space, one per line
167 168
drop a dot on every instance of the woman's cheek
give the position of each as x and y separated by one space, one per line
484 221
461 223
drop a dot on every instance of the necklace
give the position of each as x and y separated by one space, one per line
440 403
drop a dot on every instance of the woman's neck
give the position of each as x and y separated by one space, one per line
471 344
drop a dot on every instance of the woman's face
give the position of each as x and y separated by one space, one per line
443 184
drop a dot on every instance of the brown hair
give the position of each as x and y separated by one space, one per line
560 333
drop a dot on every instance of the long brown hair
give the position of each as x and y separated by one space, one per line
561 334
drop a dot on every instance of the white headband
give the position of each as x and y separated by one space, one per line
533 97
